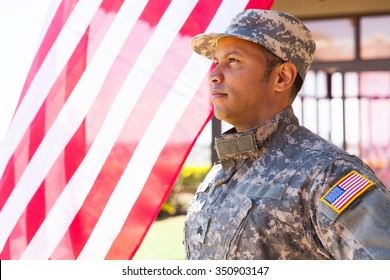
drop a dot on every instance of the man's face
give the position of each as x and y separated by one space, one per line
239 93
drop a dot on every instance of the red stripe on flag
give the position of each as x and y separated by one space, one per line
262 4
62 14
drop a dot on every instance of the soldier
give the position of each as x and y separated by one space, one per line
279 190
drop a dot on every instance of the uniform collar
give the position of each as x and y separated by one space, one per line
240 145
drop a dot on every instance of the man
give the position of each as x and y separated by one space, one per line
279 191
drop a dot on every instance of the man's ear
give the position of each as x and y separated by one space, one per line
285 76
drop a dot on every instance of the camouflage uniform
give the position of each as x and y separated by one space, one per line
262 201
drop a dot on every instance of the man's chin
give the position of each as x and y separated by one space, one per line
222 116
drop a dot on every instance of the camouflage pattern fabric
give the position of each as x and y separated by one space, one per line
265 204
281 33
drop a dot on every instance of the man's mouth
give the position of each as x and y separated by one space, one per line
217 94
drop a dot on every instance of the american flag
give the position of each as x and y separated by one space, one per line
113 103
346 191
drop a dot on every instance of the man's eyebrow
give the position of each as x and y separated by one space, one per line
233 52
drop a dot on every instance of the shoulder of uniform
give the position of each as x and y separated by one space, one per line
357 208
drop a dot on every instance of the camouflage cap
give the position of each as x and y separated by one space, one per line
281 33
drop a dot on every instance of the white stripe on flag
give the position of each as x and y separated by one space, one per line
225 13
46 76
150 146
51 232
52 9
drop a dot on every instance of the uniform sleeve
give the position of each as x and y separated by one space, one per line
360 230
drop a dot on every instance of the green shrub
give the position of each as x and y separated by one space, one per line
184 188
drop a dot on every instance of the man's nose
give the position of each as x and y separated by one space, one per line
215 75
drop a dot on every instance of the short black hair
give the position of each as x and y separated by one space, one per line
272 61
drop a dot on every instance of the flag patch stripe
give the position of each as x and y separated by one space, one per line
345 191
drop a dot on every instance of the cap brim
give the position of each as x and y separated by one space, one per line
206 44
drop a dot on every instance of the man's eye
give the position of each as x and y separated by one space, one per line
232 59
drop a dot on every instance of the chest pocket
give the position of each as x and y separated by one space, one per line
226 221
211 233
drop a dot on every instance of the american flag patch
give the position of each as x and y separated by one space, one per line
345 191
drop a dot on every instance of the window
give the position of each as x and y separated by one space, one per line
334 39
375 37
